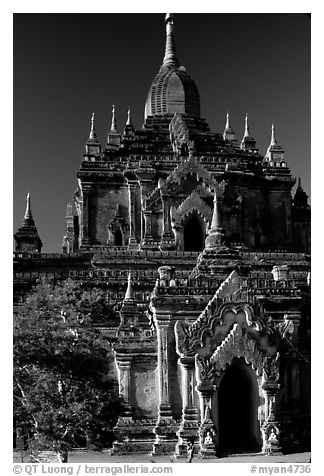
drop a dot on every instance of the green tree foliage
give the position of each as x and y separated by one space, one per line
63 386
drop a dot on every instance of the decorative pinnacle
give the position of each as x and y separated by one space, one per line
129 120
215 236
113 127
227 125
299 186
92 129
28 214
216 223
170 56
273 136
246 130
129 296
228 133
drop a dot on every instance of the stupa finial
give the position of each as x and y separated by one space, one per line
273 135
228 133
113 127
28 214
246 128
129 119
170 56
92 134
275 152
299 186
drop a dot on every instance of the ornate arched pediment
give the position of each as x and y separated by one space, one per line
192 203
225 308
189 167
237 344
210 329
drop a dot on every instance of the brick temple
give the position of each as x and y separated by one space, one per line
197 238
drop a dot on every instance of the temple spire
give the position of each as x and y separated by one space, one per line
92 135
227 125
215 236
273 135
129 296
92 145
299 186
246 129
228 133
275 152
216 222
248 142
129 128
113 139
113 127
129 119
26 237
170 56
28 213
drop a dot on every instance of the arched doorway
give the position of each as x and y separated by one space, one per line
238 409
193 234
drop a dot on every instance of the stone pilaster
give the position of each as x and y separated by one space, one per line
85 240
295 318
132 243
124 422
148 238
188 431
145 175
207 430
178 237
145 188
124 381
270 386
167 240
165 429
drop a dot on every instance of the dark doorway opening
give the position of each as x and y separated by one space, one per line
257 239
193 234
118 238
237 410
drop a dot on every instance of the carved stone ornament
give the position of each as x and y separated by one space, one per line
220 189
271 368
153 201
271 435
286 328
227 301
205 368
191 203
237 344
179 134
190 167
174 180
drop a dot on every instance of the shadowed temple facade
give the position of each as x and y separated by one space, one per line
198 239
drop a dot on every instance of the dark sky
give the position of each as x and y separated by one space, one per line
67 66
